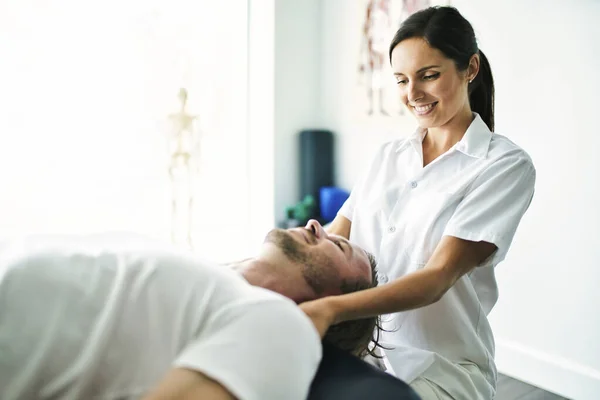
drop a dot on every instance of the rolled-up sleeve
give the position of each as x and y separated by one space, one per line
494 205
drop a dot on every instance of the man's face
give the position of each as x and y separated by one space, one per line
327 261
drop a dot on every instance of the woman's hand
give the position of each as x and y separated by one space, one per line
322 314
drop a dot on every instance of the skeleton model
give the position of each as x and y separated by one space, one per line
184 151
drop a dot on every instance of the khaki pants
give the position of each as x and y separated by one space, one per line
428 390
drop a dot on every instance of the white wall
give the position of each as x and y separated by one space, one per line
315 58
357 138
545 58
297 90
547 322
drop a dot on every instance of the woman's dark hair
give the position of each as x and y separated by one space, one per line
445 29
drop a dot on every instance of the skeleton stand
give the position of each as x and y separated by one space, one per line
184 146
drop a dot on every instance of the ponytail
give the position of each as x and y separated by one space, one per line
481 92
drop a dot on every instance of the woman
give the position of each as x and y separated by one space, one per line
439 210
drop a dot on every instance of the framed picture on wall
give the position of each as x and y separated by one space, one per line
376 101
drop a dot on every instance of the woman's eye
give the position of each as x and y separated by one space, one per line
339 244
431 77
402 82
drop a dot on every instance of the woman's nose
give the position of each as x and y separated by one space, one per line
414 92
314 226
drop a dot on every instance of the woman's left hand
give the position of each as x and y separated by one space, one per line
322 314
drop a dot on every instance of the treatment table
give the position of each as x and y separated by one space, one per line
342 376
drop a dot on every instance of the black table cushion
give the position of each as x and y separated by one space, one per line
342 376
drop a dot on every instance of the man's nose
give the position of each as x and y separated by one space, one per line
315 226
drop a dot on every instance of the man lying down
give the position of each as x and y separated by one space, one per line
120 318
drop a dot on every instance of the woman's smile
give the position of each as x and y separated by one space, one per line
422 110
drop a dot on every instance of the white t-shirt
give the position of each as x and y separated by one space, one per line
107 317
478 190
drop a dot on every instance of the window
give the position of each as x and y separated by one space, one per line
86 91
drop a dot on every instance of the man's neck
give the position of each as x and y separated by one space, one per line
256 272
263 274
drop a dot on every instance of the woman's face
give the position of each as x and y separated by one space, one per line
430 86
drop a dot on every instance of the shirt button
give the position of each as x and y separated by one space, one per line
384 278
392 229
413 184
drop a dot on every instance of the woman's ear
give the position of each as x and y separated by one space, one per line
473 68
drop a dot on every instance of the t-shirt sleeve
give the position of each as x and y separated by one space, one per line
494 205
258 351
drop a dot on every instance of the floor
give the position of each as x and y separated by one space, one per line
512 389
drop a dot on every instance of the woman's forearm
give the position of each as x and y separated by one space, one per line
452 259
340 226
414 290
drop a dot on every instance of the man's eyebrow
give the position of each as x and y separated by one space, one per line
419 70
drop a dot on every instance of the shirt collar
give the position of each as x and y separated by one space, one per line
475 142
415 139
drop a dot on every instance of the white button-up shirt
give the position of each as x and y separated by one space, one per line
478 190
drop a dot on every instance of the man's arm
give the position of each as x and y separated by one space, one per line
221 362
185 384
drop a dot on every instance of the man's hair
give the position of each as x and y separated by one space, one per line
359 337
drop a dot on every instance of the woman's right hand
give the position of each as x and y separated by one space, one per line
340 226
321 312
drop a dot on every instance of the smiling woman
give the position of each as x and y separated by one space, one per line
439 209
85 93
424 51
431 86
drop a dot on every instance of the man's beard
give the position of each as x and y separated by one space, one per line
318 270
286 243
